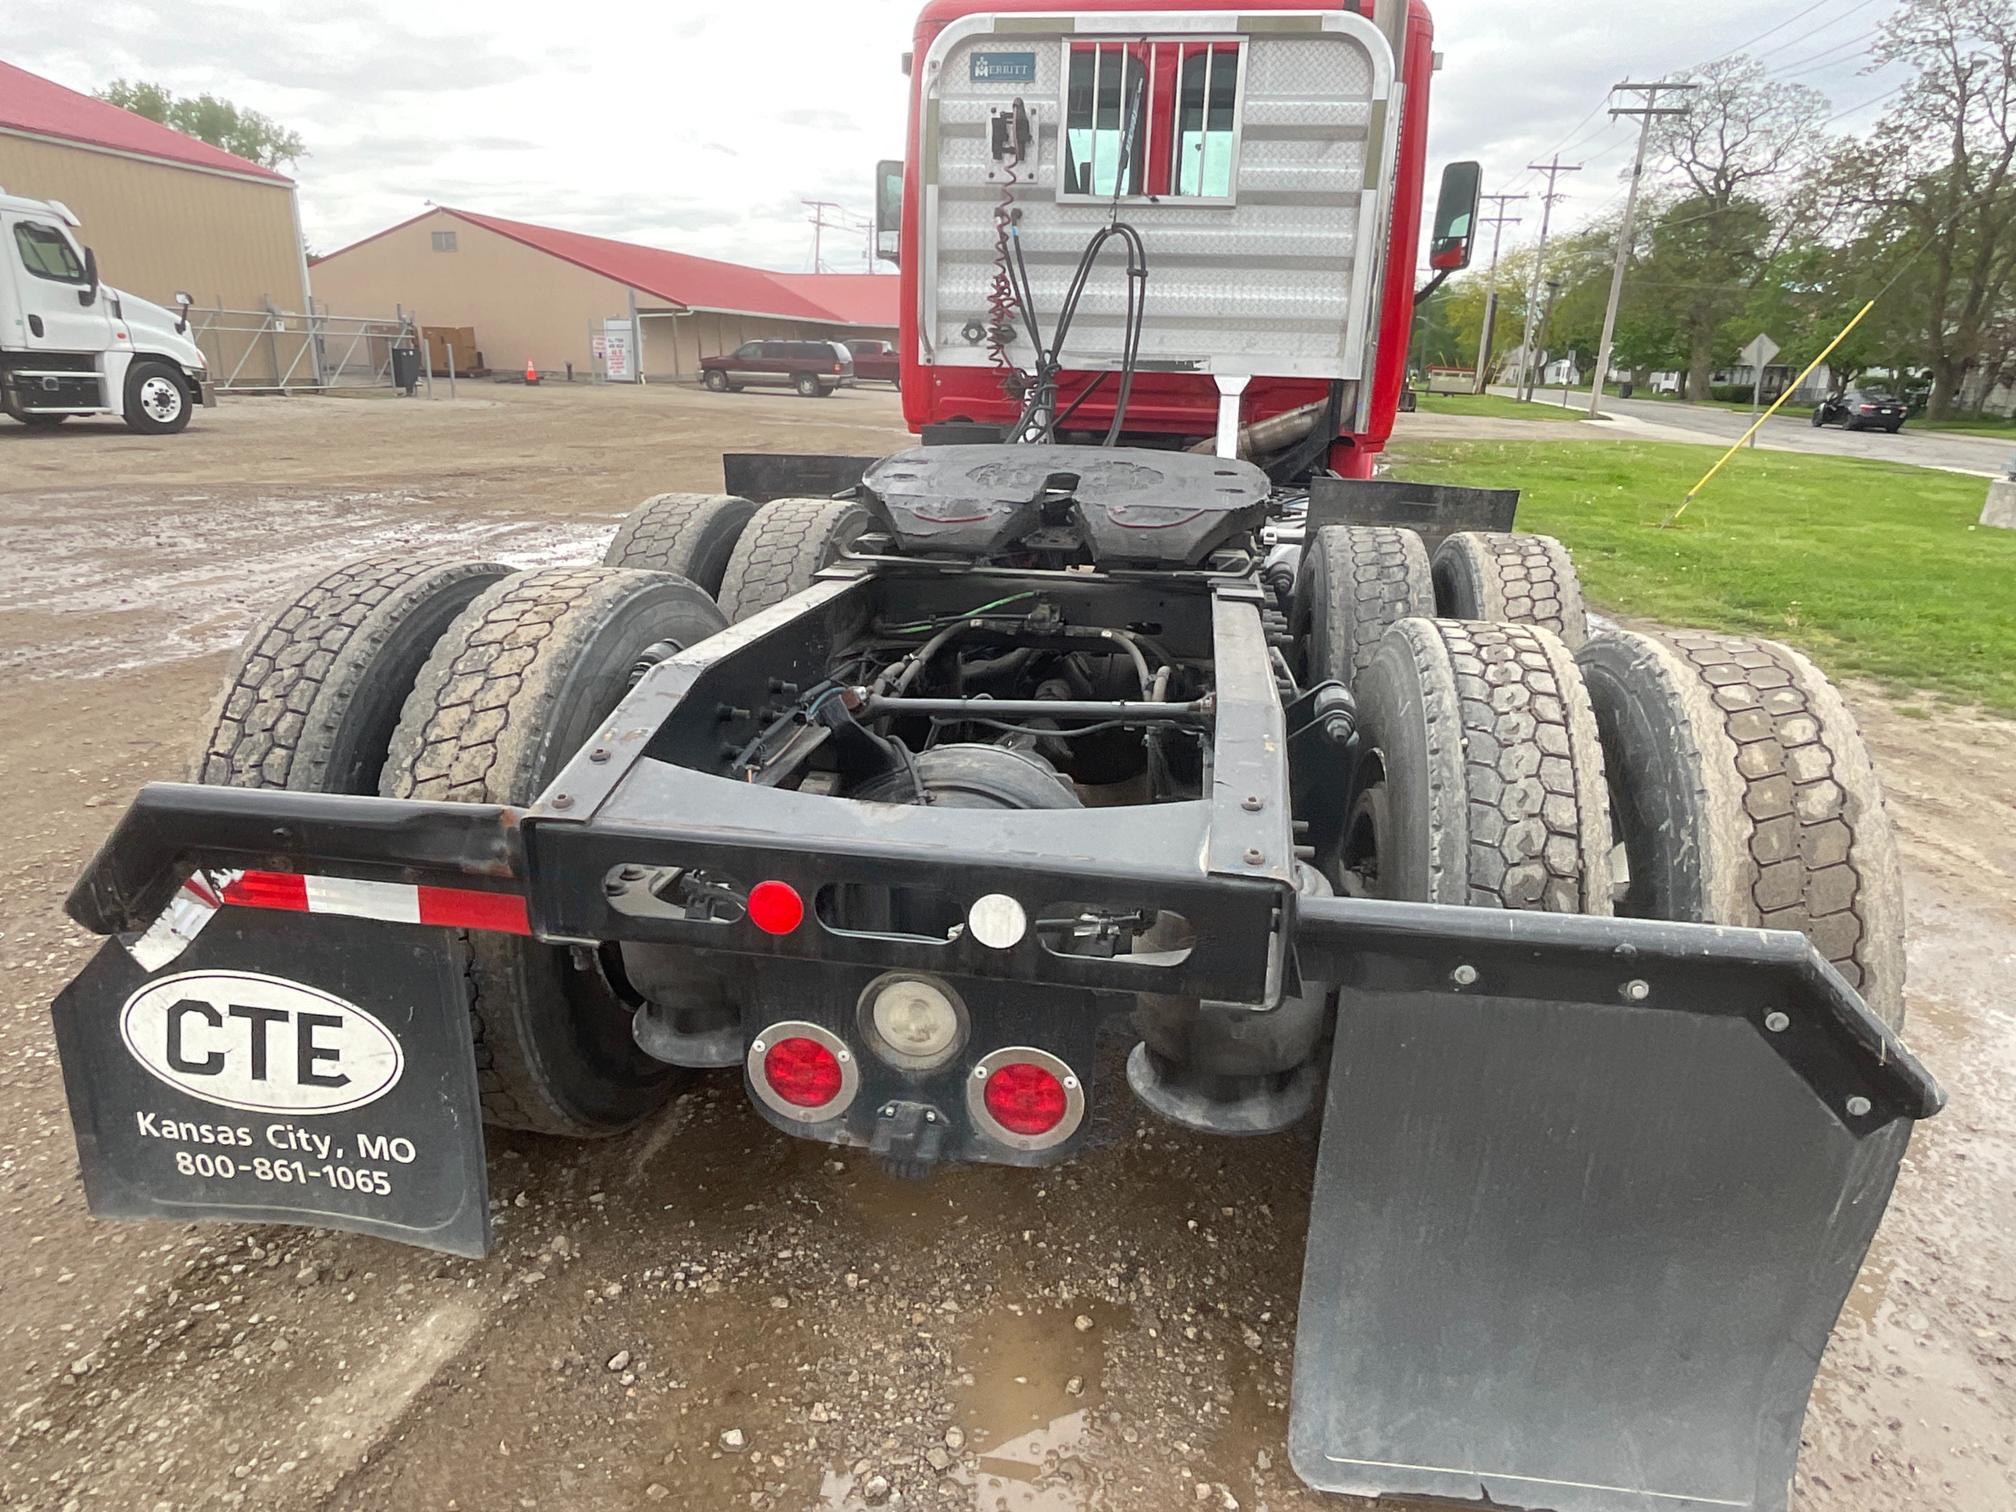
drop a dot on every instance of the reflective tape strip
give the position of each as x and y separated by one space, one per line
392 902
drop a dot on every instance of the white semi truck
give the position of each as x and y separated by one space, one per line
70 345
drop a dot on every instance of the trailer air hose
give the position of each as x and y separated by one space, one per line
1039 419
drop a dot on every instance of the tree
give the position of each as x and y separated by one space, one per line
250 135
1939 166
1736 153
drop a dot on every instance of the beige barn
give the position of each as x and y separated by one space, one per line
163 211
538 294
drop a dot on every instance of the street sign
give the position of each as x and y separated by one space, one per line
1757 356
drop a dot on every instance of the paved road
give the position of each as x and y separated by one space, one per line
1922 448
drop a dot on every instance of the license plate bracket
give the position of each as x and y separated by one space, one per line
282 1071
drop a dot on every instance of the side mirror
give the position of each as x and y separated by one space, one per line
889 211
182 302
1456 217
88 295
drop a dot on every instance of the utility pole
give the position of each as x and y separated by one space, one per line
846 220
1645 113
1497 223
1553 171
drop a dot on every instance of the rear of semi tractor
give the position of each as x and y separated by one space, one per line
1127 738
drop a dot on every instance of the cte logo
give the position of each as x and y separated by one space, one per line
260 1043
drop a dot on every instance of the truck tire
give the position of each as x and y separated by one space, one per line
1480 776
315 693
516 686
1743 794
782 549
716 381
1510 579
1356 582
158 400
688 534
807 386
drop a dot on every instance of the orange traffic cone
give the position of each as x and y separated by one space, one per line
531 372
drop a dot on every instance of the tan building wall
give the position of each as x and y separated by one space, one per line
524 303
521 302
158 228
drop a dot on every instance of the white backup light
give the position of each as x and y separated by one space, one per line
915 1019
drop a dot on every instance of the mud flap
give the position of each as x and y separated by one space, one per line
285 1071
1584 1255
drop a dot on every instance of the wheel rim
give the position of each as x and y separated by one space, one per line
1365 830
161 398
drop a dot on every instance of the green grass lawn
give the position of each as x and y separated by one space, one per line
1875 570
1495 407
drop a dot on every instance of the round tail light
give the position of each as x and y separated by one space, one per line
1025 1097
803 1071
775 907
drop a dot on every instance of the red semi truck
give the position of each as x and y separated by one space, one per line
1125 740
1301 281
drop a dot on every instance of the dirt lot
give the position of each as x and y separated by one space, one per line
702 1313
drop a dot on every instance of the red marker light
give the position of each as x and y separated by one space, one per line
775 907
1025 1099
802 1071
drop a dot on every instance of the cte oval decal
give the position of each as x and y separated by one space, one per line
260 1043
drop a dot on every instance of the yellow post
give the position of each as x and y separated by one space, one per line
1759 422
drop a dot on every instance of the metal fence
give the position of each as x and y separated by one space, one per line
274 351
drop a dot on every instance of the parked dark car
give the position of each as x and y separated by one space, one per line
814 368
1861 409
876 361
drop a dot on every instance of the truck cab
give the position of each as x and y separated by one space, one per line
73 345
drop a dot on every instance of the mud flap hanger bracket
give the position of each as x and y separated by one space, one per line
1774 980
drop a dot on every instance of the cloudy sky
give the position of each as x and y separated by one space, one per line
703 127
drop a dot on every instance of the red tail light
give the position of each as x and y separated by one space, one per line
775 907
1026 1099
803 1072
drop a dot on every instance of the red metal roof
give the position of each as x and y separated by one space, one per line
29 102
699 283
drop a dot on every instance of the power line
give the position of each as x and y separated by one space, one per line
1878 100
1768 32
1827 57
1823 26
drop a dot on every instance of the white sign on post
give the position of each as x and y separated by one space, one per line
1757 356
618 361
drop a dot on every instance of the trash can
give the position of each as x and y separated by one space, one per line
1624 389
406 367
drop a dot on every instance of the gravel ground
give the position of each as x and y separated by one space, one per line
703 1313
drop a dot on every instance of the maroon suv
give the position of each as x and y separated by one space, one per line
814 368
876 361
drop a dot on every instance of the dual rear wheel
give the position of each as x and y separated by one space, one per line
467 682
1509 759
